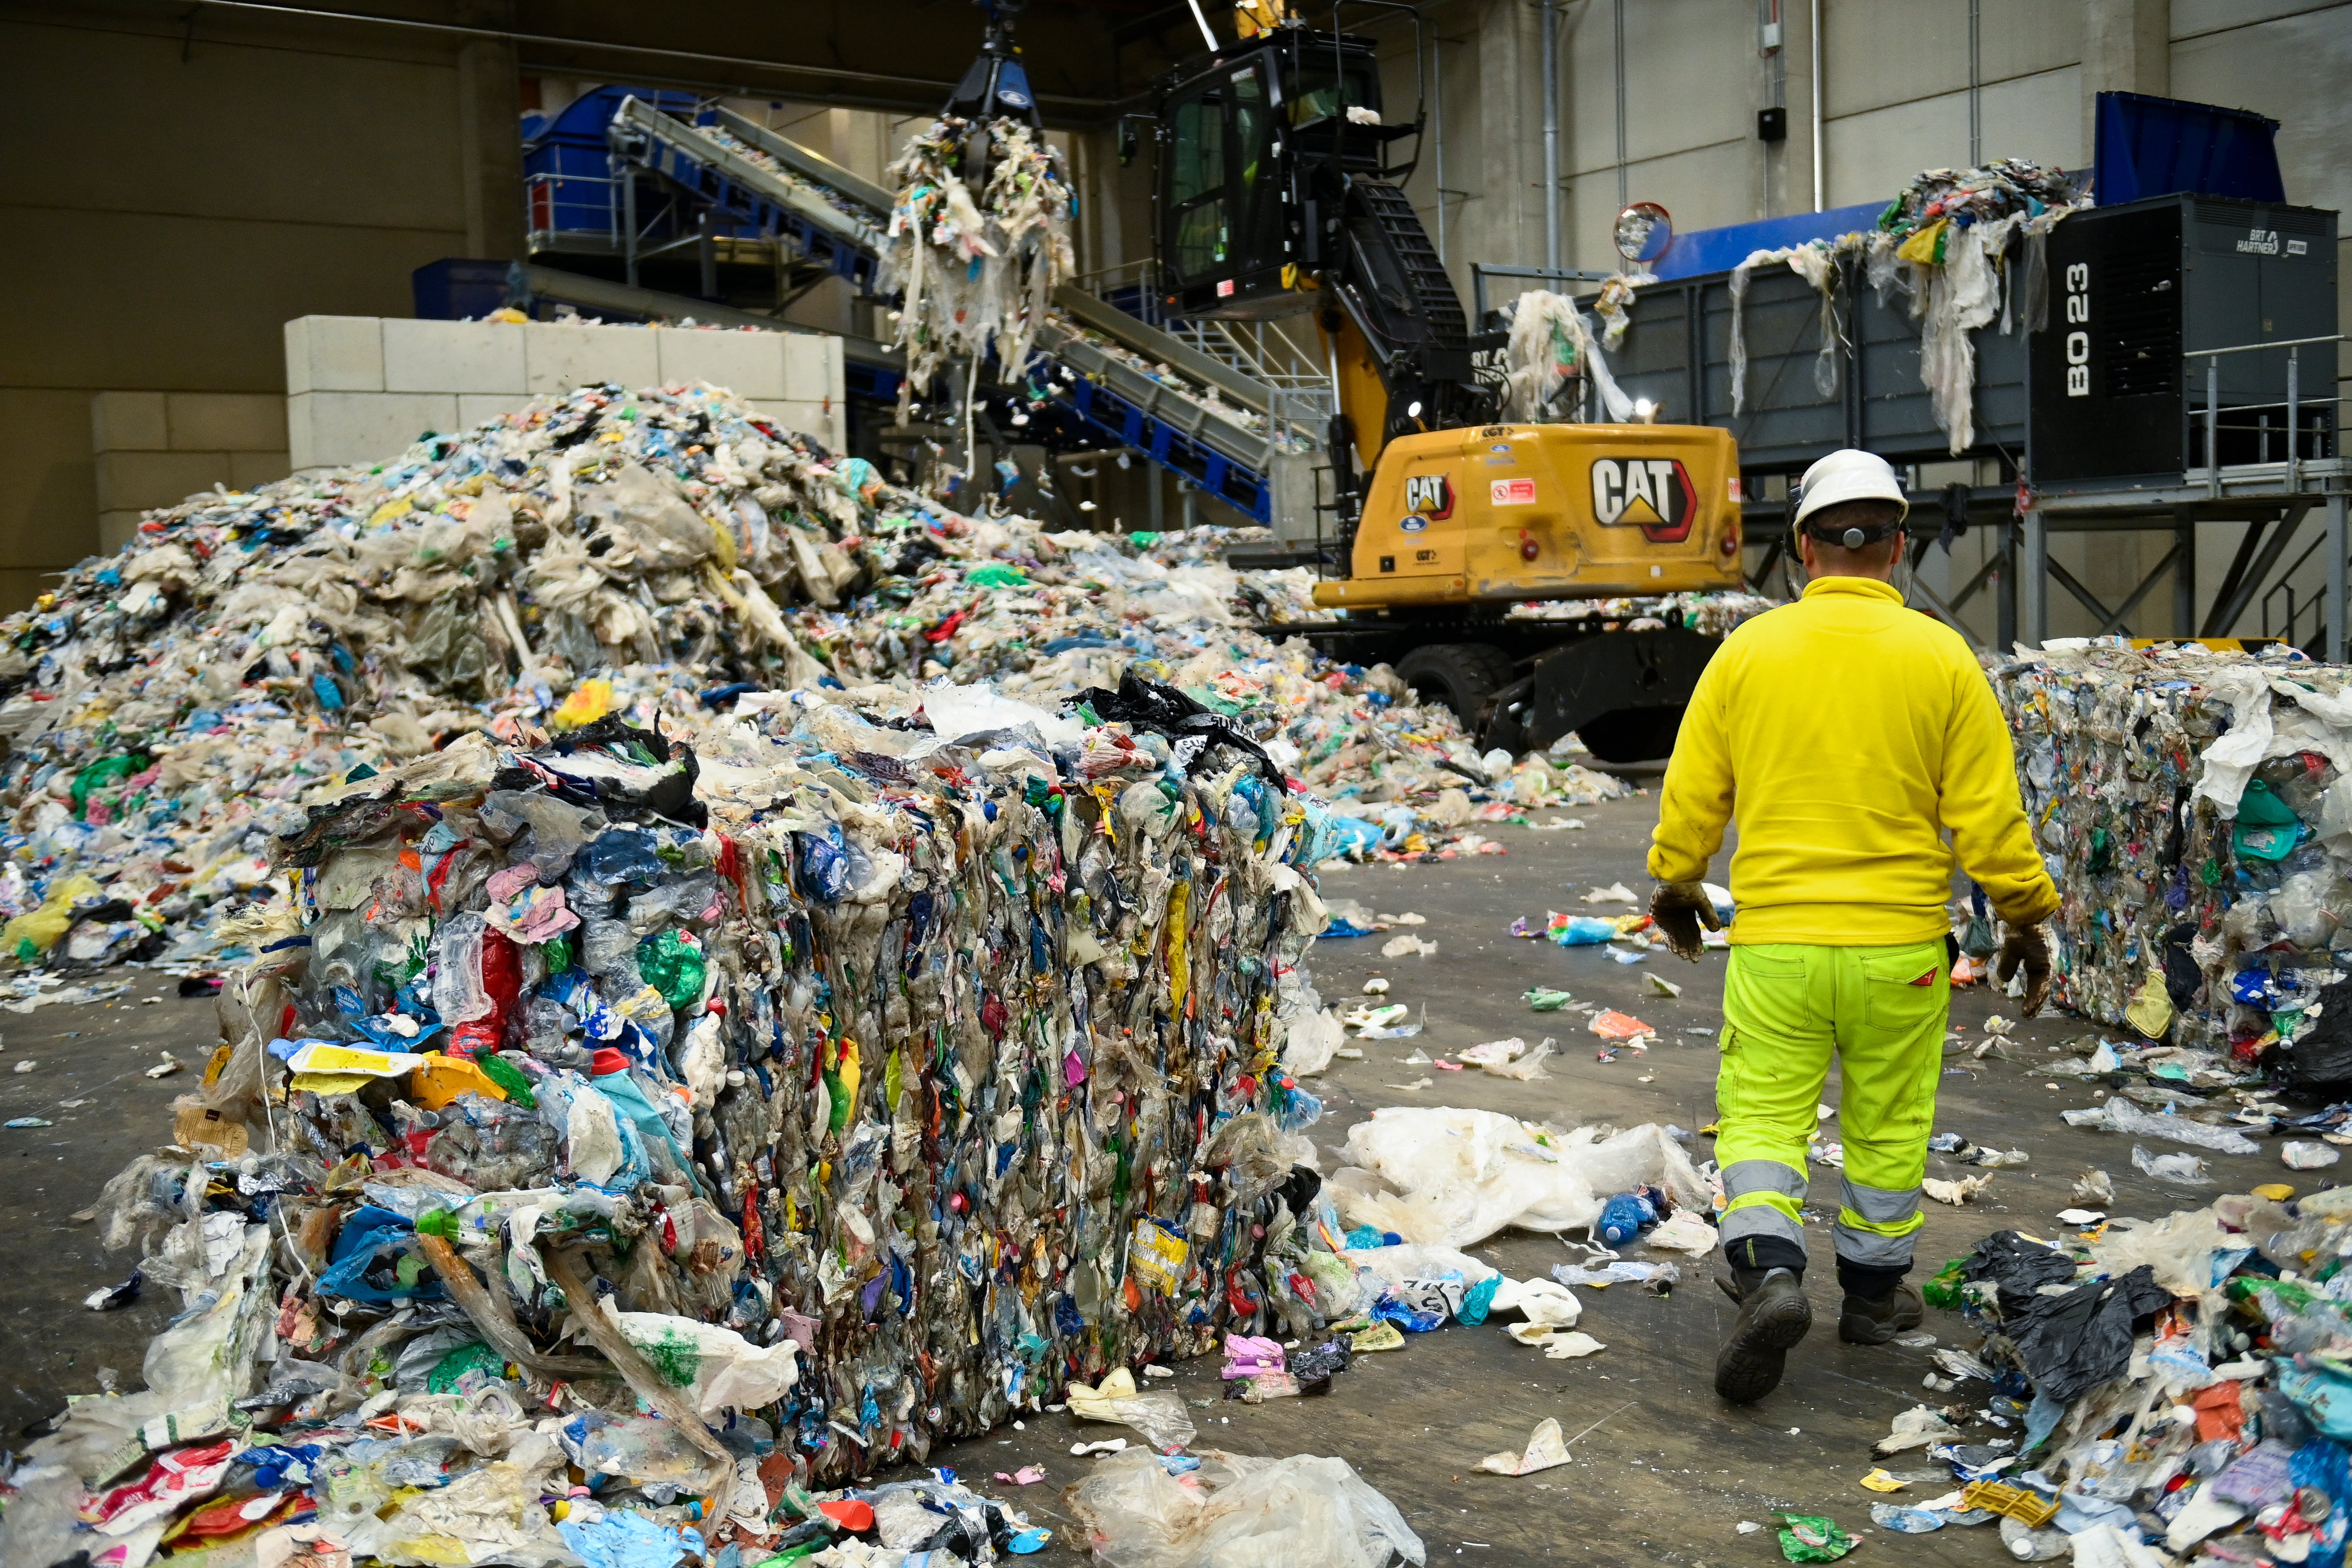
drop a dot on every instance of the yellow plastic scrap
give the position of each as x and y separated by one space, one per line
2151 1006
1101 1402
2277 1191
443 1077
1880 1481
723 544
1926 245
1997 1497
1180 947
330 1083
44 926
390 511
590 701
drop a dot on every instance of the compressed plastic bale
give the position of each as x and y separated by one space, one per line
796 1146
2181 796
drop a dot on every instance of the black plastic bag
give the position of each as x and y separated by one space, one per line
2321 1060
2018 1267
2081 1339
1165 712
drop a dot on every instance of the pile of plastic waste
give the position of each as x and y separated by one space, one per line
2146 1391
1966 247
665 553
2190 805
1963 247
1710 614
1941 200
977 266
615 1138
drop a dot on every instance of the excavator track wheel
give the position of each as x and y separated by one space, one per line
1462 675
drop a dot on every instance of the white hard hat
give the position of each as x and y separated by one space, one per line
1848 474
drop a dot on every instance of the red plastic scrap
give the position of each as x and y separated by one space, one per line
2219 1412
850 1513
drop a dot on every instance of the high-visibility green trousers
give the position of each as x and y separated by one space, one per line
1785 1008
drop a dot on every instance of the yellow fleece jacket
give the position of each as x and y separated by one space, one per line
1848 734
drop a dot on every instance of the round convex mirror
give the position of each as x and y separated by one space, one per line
1644 232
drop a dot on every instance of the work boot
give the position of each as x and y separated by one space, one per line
1773 1316
1874 1320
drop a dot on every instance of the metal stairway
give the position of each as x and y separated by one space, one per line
1195 413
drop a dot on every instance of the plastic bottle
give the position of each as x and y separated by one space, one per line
1622 1219
457 994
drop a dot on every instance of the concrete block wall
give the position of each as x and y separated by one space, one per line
154 448
362 388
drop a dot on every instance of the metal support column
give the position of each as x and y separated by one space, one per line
2005 589
2034 580
2184 573
707 250
2337 572
1156 484
629 225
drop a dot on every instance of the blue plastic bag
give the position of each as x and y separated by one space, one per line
372 1236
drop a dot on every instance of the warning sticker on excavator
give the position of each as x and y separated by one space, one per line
1652 494
1512 492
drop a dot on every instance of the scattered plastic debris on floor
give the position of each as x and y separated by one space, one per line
1442 1176
2147 1391
1211 1509
1710 614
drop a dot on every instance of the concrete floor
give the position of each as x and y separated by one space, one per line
1665 1473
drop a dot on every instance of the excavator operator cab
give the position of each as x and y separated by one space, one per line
1252 145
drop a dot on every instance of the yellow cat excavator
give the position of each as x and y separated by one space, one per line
1277 197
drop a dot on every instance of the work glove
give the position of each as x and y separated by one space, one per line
1680 909
2029 946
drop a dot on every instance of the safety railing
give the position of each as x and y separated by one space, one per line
2284 606
551 203
1304 412
2324 434
1132 287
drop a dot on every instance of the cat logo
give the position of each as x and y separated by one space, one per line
1652 494
1430 495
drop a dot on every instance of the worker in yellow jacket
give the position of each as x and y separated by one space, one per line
1849 736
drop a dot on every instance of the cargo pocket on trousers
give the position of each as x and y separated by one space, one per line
1765 988
1904 992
